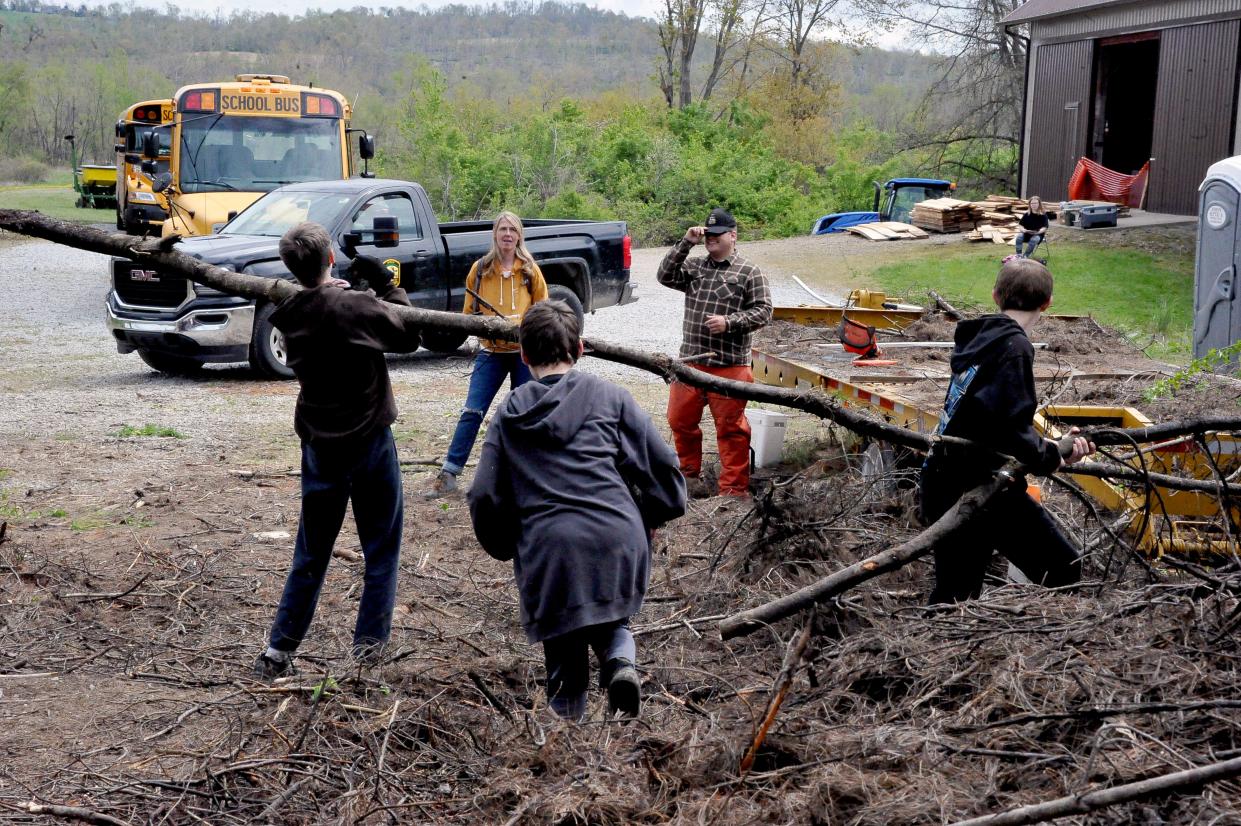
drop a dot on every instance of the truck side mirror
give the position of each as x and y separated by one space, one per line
385 229
162 181
150 145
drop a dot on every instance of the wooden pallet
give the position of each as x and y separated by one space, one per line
998 234
887 231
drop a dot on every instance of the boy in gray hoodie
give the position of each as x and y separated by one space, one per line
572 481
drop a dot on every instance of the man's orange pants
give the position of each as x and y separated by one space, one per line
732 430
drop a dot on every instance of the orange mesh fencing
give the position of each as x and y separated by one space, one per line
1094 182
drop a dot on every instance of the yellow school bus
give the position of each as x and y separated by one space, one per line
232 142
139 209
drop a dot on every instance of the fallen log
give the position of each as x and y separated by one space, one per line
162 253
72 813
751 620
1076 804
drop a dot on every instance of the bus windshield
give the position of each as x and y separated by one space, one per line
277 212
244 154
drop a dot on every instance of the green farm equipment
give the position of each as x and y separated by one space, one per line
94 184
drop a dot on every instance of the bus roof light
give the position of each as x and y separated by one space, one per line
199 100
320 106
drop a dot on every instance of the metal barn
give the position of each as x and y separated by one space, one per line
1124 81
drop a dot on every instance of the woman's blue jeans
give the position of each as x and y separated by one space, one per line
1031 240
367 472
490 370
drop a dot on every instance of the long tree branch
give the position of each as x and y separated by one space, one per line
162 253
941 531
1076 804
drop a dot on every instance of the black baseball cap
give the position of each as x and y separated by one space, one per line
720 221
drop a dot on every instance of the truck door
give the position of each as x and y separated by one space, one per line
414 260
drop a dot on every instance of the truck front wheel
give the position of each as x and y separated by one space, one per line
171 365
559 292
268 354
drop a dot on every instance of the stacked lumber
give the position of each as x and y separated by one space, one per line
945 215
1004 203
1000 216
887 231
996 233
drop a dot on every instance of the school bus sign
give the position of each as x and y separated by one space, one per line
282 104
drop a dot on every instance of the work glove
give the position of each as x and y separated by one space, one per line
366 272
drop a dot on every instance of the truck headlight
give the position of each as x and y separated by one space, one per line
143 197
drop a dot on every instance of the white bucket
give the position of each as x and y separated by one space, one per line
767 436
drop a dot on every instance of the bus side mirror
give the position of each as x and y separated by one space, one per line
150 145
162 181
366 147
386 233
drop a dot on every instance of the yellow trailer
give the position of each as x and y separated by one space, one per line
1163 519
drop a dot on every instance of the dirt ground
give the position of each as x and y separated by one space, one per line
138 575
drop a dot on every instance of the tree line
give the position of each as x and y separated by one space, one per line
782 109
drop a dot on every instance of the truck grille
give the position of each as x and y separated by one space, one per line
140 287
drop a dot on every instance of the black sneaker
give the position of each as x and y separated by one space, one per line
268 668
624 689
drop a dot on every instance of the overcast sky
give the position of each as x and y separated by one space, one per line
634 8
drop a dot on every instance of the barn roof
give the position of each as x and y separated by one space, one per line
1039 9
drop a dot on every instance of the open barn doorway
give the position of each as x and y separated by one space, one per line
1126 71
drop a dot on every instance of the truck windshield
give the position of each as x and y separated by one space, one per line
277 212
244 154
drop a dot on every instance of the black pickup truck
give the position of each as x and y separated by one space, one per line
176 326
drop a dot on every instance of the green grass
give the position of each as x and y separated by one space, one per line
88 523
129 431
1150 297
54 201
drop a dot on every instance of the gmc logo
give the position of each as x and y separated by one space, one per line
143 275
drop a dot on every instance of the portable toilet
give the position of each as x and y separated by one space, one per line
1217 309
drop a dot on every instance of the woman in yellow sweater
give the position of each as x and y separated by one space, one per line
507 279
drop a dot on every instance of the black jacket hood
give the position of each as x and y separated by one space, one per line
977 335
549 413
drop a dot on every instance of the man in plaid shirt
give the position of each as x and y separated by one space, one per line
726 300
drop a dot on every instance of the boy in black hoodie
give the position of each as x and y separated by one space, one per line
572 480
991 401
336 339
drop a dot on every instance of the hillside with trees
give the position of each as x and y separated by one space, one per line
778 108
